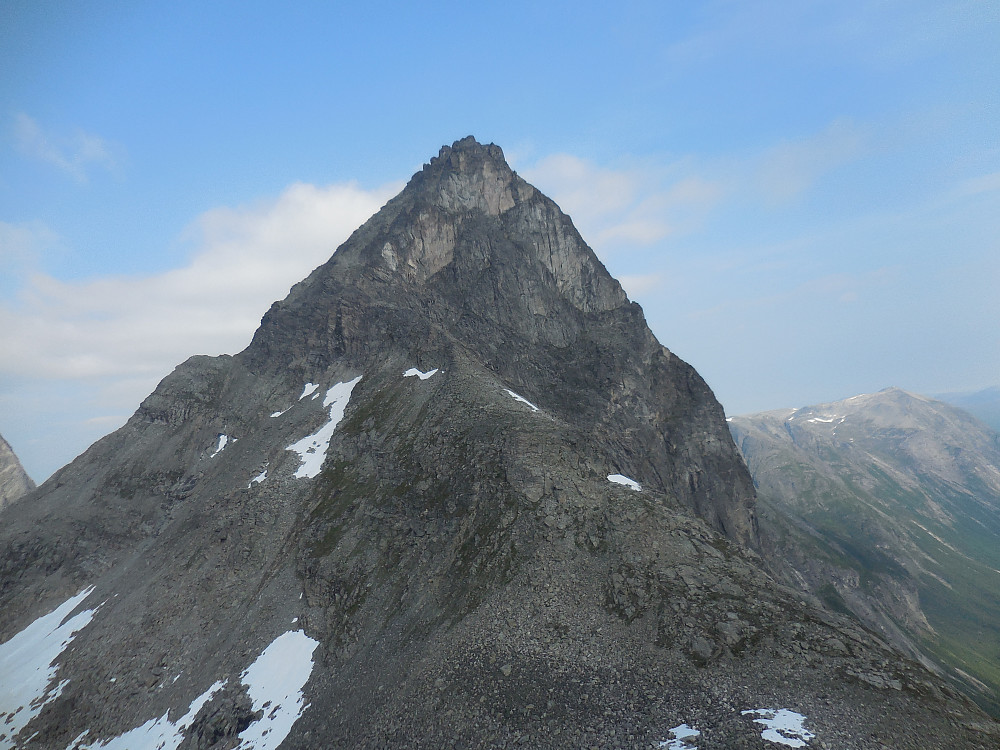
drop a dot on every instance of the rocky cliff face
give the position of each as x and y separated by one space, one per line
888 505
14 480
454 493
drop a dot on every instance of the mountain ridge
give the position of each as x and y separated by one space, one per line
406 486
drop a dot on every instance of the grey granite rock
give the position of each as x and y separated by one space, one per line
14 480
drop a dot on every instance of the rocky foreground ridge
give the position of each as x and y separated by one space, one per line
453 494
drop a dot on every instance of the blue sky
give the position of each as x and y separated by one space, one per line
804 196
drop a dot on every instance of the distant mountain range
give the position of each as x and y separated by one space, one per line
887 506
983 405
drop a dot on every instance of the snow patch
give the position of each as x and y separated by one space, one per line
827 419
683 738
783 727
309 389
274 682
258 479
223 439
312 448
278 413
27 665
522 399
413 371
622 479
155 734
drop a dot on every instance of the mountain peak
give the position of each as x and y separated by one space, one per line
469 175
471 258
469 145
468 212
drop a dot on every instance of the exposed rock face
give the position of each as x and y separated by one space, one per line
401 489
888 505
14 480
471 261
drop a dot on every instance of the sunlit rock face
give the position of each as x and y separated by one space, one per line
454 493
14 480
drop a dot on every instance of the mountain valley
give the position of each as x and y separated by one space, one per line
887 506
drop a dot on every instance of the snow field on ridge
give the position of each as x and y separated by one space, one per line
782 726
683 738
26 665
223 439
312 448
275 680
520 398
154 734
259 479
414 372
622 479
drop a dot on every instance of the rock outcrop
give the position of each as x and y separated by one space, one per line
14 480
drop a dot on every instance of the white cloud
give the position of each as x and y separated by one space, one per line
632 206
639 285
142 326
79 356
987 183
789 169
75 154
22 245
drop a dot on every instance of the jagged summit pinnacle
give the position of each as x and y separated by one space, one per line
470 175
465 152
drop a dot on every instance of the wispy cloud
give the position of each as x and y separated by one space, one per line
639 285
142 326
987 183
620 207
617 208
75 154
21 245
787 170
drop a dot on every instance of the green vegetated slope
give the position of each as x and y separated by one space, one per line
887 506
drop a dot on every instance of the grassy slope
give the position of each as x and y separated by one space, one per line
871 521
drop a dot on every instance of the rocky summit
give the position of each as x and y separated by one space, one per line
453 494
